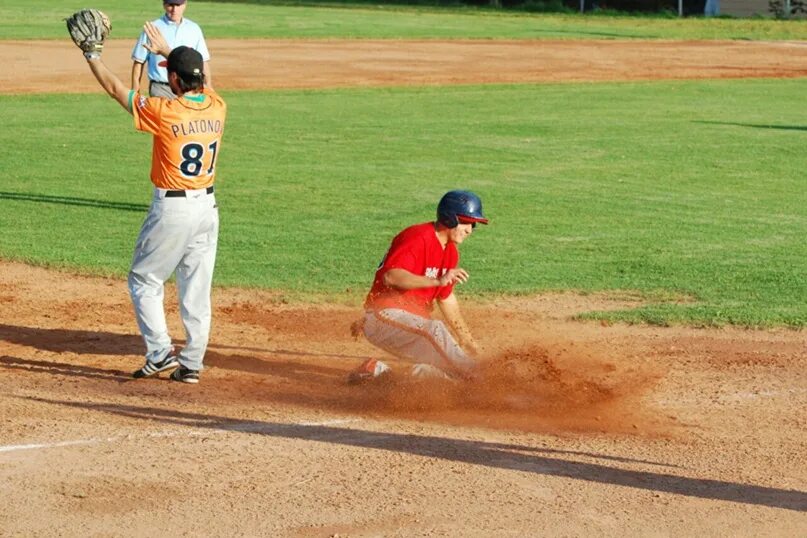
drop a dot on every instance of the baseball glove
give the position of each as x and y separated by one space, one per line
88 29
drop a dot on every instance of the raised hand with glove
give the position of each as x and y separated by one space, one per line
88 29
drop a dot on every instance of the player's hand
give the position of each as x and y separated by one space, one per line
470 346
88 29
156 42
357 328
452 276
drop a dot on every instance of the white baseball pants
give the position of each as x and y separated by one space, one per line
179 234
416 339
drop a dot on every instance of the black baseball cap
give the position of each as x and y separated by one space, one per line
185 62
174 2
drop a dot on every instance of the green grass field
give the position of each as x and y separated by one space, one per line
689 194
38 19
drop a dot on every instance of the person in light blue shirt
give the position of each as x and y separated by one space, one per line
177 31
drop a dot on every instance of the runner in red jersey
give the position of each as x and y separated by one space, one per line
420 270
418 250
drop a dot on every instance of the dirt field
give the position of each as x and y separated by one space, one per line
48 66
582 429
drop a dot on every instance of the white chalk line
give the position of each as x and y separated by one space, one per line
215 429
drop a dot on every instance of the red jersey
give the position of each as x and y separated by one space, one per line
417 250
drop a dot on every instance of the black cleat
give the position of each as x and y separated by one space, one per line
151 368
185 375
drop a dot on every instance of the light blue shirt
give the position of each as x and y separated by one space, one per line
185 33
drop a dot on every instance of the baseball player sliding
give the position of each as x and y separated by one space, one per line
420 269
181 230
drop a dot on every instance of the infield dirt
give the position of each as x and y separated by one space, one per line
582 429
55 66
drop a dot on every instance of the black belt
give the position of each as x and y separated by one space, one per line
182 194
158 82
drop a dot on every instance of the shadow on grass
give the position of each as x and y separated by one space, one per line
755 126
69 200
494 455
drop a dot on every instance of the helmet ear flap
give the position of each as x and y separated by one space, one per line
447 219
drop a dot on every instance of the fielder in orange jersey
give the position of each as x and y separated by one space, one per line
180 232
418 271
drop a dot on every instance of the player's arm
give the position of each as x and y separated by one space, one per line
402 279
140 55
208 75
109 82
137 75
450 308
201 47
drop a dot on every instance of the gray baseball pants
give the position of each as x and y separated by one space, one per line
179 234
416 339
160 89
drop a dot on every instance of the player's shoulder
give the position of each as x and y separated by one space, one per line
417 233
159 22
141 101
213 94
211 97
417 230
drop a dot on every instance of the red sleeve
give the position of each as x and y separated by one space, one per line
452 260
405 256
146 113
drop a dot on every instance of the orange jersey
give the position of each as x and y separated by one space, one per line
187 137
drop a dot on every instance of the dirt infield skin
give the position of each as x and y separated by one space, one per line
55 66
580 429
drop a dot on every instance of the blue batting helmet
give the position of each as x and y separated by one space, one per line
457 207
